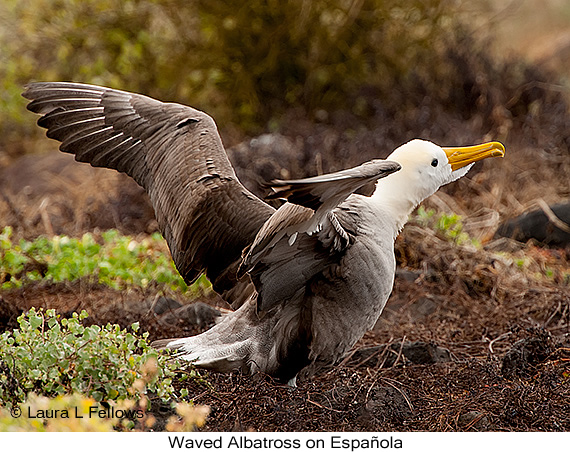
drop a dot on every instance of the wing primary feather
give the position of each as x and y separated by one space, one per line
45 106
175 152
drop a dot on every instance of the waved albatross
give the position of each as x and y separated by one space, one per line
306 280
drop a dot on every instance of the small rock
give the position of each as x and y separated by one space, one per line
163 304
414 352
424 353
473 420
525 354
197 314
536 225
387 404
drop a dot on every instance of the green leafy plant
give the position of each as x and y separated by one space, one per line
53 356
118 261
448 226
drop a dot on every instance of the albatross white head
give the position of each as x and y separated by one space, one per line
426 167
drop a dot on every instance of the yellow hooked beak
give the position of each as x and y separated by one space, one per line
459 157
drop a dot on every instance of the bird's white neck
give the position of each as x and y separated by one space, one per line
399 194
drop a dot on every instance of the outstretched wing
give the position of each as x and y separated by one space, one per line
332 188
175 152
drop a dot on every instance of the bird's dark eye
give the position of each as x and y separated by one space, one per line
434 163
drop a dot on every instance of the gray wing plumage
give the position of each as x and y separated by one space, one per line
175 152
333 188
311 202
304 236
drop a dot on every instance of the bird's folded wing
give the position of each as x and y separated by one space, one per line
175 152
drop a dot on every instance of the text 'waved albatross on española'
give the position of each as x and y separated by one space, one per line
307 280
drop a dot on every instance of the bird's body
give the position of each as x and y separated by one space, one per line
319 323
309 279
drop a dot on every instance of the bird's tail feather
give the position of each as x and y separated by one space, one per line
238 341
161 344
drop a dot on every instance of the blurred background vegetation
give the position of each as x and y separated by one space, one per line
248 63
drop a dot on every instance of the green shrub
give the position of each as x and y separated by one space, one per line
118 261
243 64
52 356
447 226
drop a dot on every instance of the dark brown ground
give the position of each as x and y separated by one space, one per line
445 356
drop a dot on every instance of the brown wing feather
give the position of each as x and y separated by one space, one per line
175 152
